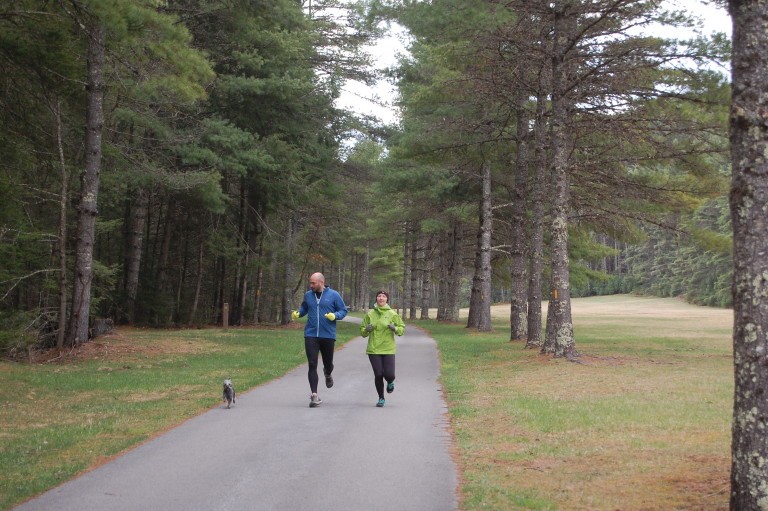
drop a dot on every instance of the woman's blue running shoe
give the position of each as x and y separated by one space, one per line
390 387
380 403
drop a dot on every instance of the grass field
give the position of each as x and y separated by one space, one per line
63 416
640 423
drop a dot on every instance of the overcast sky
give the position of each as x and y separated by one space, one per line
379 100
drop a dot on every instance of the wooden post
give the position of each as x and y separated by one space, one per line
225 316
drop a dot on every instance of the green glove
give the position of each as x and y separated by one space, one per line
330 316
294 314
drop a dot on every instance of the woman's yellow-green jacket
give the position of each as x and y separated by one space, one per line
381 340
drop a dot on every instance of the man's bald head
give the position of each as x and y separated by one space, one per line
317 282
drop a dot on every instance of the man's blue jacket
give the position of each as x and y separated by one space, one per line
316 308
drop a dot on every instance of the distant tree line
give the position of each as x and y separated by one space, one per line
164 159
566 151
691 259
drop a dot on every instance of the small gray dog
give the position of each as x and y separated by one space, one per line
229 392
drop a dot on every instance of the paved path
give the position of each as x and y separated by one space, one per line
272 452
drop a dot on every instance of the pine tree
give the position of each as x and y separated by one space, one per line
749 213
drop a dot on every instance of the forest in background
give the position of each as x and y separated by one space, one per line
545 150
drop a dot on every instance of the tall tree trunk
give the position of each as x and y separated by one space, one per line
237 283
274 299
89 192
361 263
518 310
288 270
134 247
442 274
538 211
749 214
342 277
481 282
354 282
243 295
259 282
365 277
548 346
62 241
405 302
221 277
416 272
181 282
426 281
455 272
236 309
161 279
474 294
199 283
560 296
361 279
248 282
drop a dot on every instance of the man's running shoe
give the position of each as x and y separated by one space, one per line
328 381
390 387
314 401
380 403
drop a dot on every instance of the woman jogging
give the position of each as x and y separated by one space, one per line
380 325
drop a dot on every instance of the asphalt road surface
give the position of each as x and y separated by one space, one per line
270 451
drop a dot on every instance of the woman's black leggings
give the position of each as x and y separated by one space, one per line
383 369
313 346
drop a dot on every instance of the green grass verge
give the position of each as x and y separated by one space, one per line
642 422
64 416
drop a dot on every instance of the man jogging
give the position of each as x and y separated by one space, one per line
323 307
